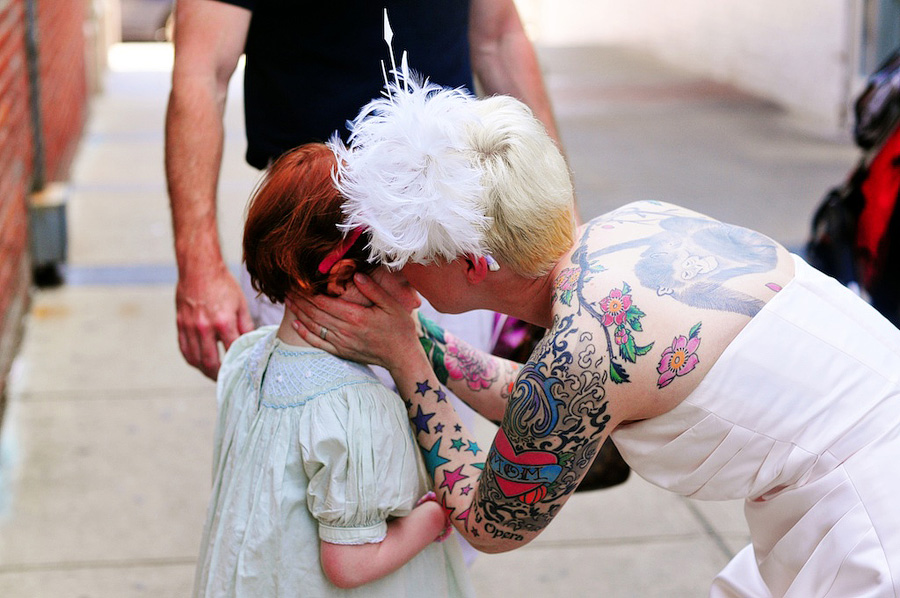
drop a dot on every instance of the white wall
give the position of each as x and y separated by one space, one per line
797 52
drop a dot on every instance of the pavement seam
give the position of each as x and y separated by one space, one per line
711 532
99 564
626 540
105 394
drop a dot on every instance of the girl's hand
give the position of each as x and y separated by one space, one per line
383 333
448 527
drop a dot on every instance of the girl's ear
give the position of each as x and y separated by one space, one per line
340 275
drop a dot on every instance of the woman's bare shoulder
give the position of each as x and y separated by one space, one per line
657 292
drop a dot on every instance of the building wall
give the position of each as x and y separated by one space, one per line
799 53
23 169
15 179
63 81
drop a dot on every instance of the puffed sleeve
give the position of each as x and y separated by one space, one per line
361 461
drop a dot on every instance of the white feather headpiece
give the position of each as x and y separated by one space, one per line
407 175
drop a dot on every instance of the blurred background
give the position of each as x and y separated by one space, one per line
742 110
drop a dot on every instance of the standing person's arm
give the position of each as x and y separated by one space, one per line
504 60
209 40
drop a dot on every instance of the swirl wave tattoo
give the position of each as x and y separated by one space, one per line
533 409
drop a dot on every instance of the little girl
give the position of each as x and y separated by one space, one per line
319 489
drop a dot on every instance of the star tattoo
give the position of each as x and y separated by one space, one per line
422 388
432 459
441 395
447 508
451 478
420 420
466 489
464 517
438 428
473 447
457 443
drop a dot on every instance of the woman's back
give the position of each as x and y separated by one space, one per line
661 291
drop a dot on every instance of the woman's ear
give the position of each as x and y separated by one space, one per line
477 268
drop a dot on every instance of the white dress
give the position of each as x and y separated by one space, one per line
800 416
310 447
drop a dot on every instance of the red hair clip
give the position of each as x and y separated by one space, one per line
340 251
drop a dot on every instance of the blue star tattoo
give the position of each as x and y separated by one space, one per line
473 447
420 420
441 395
438 428
432 459
422 388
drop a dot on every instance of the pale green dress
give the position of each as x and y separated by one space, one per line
309 447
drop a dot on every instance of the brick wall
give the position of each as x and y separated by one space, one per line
63 106
15 179
63 81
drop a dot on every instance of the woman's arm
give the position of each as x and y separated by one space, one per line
555 421
350 566
503 496
482 380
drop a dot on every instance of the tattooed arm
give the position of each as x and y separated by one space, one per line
555 422
482 380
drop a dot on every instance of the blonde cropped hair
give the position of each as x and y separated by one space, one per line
528 189
433 173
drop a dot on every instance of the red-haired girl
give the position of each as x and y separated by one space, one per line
316 474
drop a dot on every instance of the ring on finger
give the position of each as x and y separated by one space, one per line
323 333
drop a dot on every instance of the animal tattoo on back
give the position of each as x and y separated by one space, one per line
691 258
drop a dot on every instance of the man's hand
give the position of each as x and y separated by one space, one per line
210 309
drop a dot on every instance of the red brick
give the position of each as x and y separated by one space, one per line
15 179
64 97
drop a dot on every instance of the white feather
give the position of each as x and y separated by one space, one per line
408 178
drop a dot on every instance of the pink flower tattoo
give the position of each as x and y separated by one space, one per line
615 307
463 363
566 283
680 358
618 312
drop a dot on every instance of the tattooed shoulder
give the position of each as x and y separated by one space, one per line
688 258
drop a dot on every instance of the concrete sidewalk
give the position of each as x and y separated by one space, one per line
106 448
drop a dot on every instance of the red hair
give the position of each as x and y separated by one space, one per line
292 225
